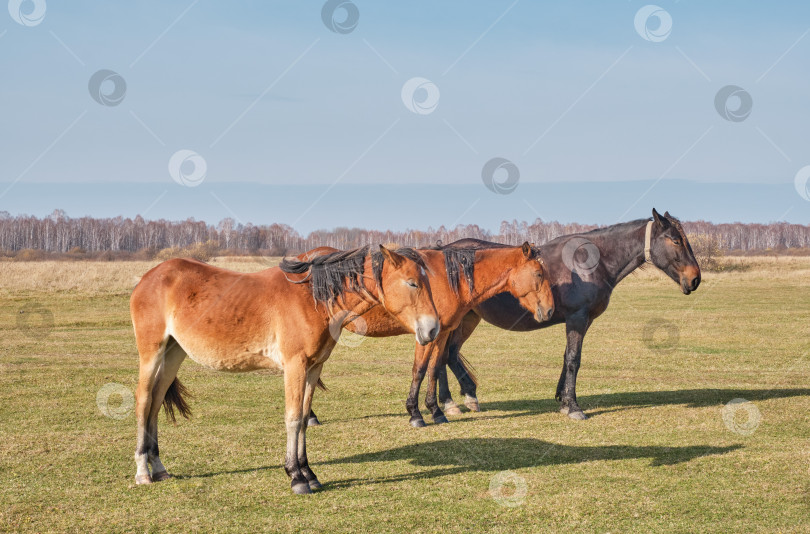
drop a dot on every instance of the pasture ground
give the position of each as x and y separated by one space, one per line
655 455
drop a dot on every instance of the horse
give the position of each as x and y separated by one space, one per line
583 270
287 317
518 271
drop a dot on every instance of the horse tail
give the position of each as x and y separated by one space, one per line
322 386
176 398
468 368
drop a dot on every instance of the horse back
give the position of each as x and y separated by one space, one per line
223 319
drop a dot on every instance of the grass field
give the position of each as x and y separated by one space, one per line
659 452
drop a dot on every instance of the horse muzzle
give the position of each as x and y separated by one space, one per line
427 328
689 278
543 314
689 284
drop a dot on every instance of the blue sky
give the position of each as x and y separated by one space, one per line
265 92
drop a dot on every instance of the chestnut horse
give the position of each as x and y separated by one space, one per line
461 279
274 318
584 269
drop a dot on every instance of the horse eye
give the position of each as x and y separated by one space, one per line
412 284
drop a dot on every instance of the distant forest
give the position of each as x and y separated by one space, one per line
30 237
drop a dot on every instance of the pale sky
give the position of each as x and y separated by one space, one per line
265 92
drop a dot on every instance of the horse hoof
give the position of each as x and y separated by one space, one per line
417 422
313 421
472 404
450 408
161 476
301 488
440 420
315 485
143 479
576 415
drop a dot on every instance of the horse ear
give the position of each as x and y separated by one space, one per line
396 259
527 250
662 221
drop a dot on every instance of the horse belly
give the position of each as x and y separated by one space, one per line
504 311
235 359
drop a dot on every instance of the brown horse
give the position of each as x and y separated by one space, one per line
460 280
284 317
583 269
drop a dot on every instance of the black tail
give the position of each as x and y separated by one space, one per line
175 398
322 386
468 368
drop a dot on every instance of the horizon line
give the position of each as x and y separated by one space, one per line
168 180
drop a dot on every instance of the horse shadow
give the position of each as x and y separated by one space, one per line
490 455
499 454
459 455
613 402
452 456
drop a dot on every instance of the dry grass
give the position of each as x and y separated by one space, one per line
757 268
93 277
117 277
655 455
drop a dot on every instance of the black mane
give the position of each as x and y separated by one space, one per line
456 262
474 244
620 227
330 276
459 257
630 224
612 228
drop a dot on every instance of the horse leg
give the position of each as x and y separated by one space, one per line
172 359
467 383
312 380
420 363
436 361
445 399
465 378
295 378
575 329
151 358
561 381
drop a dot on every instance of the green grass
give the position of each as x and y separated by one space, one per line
654 456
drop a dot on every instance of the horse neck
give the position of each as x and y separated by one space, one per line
491 274
623 250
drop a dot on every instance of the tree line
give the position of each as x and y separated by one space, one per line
60 234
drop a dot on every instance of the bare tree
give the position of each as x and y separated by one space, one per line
58 233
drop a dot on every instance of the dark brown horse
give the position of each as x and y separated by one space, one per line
584 269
